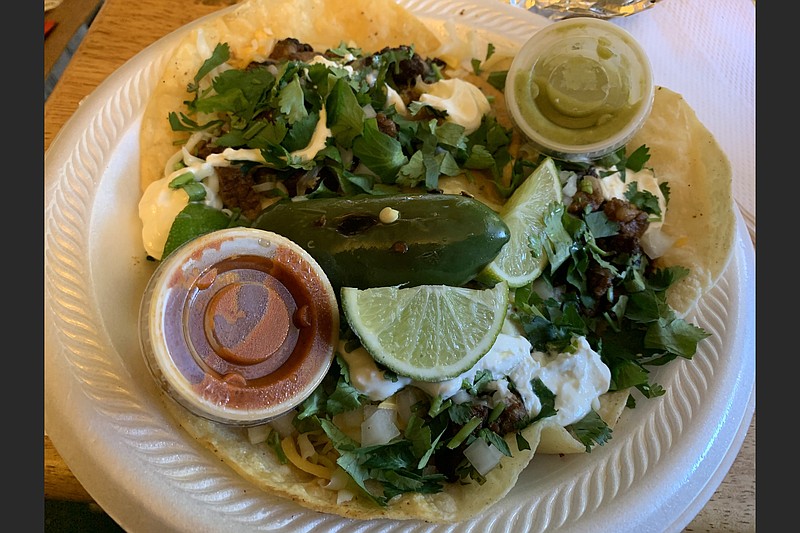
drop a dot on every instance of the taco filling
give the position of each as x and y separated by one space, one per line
244 122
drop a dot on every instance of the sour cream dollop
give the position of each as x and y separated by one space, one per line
464 103
159 206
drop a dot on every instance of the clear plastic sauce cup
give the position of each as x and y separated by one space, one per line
239 326
580 88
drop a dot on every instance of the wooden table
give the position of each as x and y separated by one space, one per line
68 16
121 29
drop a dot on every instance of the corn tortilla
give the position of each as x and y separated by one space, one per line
700 214
258 464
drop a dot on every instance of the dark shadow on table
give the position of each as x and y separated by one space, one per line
77 517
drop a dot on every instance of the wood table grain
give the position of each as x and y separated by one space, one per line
123 28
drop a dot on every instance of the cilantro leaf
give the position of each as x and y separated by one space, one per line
345 116
547 399
644 200
661 279
292 102
675 336
493 438
274 442
402 481
301 132
490 49
476 65
380 153
628 373
344 398
197 219
184 123
350 463
497 79
219 56
638 158
590 430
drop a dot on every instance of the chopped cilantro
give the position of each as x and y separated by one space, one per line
197 219
476 63
590 430
632 326
638 158
497 79
276 110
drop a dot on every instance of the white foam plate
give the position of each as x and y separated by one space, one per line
103 414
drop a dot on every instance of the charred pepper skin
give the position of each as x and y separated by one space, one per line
437 239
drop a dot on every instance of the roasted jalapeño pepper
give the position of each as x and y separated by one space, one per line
436 239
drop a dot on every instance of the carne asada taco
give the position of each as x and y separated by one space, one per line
345 50
251 30
697 232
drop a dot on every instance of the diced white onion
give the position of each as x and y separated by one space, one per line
461 396
270 185
339 479
343 496
570 186
369 111
404 400
258 434
484 457
350 422
544 289
379 428
307 181
283 424
306 448
655 243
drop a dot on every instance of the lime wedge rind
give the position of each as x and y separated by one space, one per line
517 263
428 333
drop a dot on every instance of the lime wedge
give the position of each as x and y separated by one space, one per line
427 333
520 261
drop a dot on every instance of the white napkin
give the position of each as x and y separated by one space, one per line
706 52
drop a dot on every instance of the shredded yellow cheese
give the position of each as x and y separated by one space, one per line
327 462
290 450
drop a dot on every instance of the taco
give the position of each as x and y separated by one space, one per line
697 232
251 30
307 467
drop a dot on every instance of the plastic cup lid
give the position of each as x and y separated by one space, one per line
239 325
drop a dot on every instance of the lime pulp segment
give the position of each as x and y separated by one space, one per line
429 332
521 260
